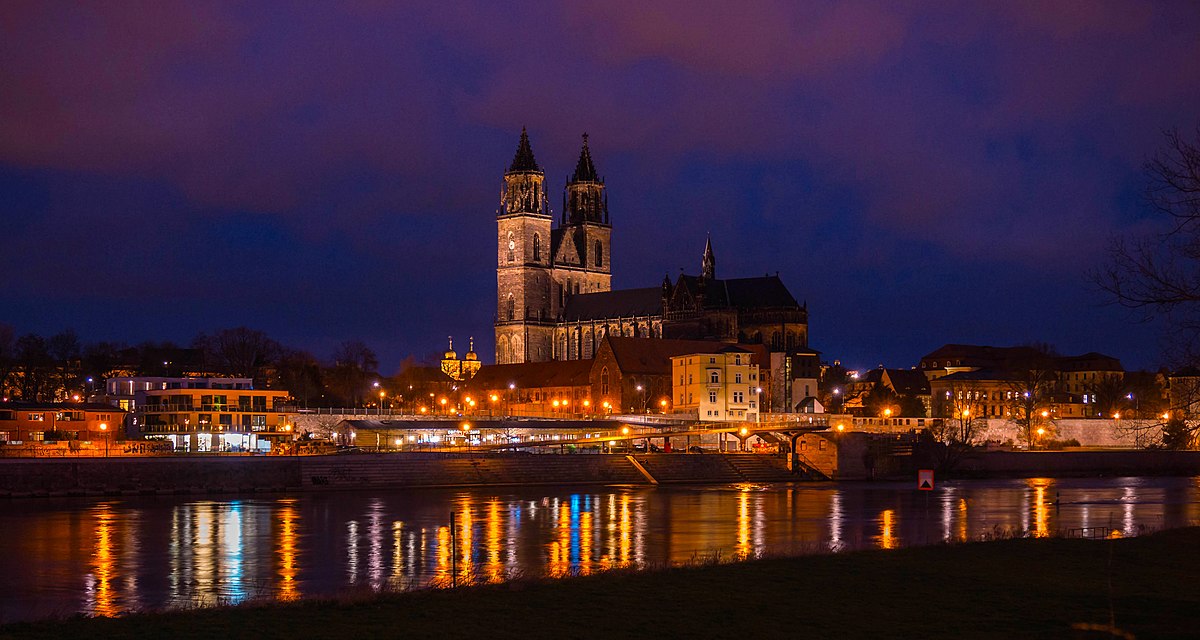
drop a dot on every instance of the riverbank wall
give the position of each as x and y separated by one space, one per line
1024 464
217 474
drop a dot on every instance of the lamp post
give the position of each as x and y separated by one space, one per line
642 389
104 430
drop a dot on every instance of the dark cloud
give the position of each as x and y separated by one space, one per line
949 167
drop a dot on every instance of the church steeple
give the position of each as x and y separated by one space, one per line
523 183
584 199
523 160
584 169
709 264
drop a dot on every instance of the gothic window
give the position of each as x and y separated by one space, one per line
599 254
512 245
604 381
512 308
537 248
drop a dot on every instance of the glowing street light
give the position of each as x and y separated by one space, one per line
841 427
624 430
104 430
887 413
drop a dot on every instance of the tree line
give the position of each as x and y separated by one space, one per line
60 367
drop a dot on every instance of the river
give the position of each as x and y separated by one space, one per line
108 556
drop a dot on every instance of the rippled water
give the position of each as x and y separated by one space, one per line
107 556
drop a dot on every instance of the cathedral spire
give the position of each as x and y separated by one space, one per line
584 169
523 160
709 264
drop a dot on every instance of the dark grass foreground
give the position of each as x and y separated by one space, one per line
1004 589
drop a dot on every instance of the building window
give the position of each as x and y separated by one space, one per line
604 381
511 308
712 396
737 378
37 417
537 248
738 396
599 254
714 377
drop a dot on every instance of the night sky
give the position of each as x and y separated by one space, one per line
919 173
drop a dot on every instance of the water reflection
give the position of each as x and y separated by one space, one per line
106 557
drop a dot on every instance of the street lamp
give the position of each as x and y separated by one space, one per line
104 430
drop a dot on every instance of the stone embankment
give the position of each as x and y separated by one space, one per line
214 474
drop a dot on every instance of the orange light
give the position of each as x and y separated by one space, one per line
104 426
555 403
1041 431
1045 414
1117 416
566 402
423 409
466 426
662 403
887 413
743 431
587 403
468 400
624 431
494 397
443 401
841 427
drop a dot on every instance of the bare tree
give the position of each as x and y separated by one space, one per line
353 363
1029 394
239 351
8 359
1160 275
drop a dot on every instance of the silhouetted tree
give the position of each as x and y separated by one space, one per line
1029 393
33 366
64 350
240 351
353 363
1160 274
300 373
8 360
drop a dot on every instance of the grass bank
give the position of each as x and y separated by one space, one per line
1006 589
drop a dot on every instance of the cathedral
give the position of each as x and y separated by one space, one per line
554 284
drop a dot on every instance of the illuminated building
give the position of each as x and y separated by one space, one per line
38 421
716 386
554 297
463 369
199 420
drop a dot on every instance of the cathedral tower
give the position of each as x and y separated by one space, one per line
583 255
524 321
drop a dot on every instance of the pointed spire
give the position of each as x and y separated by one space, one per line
585 171
709 264
523 160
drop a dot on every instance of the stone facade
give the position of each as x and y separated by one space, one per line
538 267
